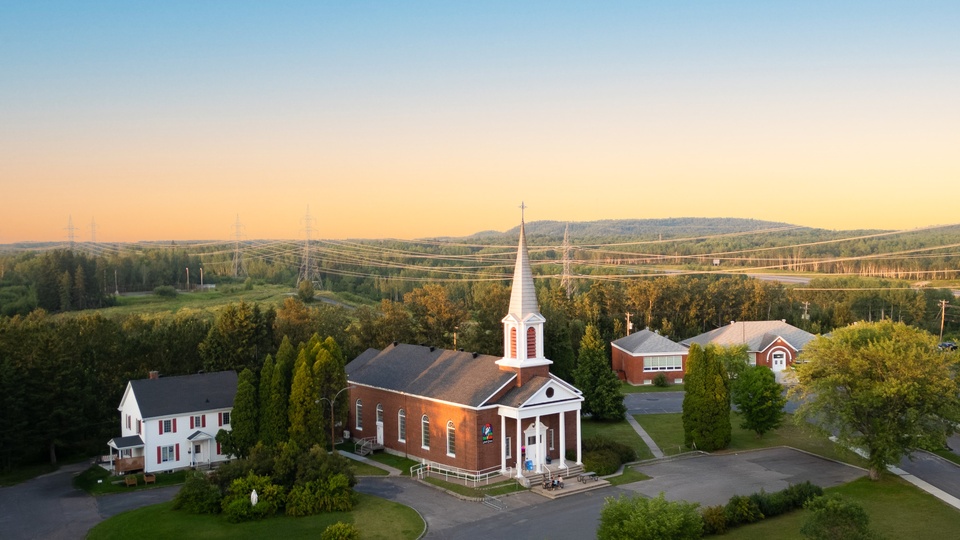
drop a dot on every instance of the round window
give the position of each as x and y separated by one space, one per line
550 392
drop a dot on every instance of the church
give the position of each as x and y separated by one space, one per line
471 412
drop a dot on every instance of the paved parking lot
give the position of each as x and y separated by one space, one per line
712 479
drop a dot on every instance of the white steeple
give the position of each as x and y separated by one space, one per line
523 325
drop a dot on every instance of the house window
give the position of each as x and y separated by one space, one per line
359 415
139 427
663 363
198 421
531 343
425 432
508 442
451 439
167 453
379 413
550 433
167 426
753 359
402 420
226 418
128 421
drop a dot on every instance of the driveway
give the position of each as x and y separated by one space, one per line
49 507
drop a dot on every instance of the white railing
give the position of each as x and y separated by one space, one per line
447 472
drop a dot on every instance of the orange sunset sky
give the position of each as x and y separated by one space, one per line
168 120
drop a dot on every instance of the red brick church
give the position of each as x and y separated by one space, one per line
475 412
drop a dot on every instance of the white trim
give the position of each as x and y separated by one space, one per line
512 380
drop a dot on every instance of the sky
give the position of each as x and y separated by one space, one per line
175 120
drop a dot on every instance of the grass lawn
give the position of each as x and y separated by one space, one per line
364 469
896 508
621 432
397 462
629 475
207 300
667 431
98 481
627 388
376 518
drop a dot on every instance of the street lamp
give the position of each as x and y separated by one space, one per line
332 403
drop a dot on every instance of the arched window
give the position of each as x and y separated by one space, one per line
513 343
425 432
451 439
402 427
359 415
531 343
379 413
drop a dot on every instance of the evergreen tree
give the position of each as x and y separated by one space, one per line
66 291
304 411
245 415
706 403
760 400
331 376
599 384
266 385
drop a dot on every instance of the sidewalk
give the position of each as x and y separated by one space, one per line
657 453
392 471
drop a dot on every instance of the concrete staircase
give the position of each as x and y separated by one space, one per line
569 474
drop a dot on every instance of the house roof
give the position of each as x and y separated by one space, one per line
648 342
452 376
758 335
122 443
168 396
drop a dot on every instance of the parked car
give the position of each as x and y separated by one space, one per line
947 346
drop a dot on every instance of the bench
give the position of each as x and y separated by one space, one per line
130 480
149 478
587 476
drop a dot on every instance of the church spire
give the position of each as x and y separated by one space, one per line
523 296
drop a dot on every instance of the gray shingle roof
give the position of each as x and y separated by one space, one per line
169 396
648 342
756 334
130 441
453 376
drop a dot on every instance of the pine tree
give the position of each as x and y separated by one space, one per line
706 404
597 381
304 411
266 384
244 419
331 376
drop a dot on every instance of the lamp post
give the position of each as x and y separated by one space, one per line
332 402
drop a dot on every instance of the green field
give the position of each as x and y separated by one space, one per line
376 518
621 432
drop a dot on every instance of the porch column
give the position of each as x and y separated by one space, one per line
503 444
539 456
579 441
563 439
519 446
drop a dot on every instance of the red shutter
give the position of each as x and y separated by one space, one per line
178 451
218 449
174 425
158 455
203 421
191 422
220 418
161 426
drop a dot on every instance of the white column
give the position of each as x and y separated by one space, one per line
579 441
503 445
519 446
539 456
563 439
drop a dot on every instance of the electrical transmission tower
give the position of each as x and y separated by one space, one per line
306 265
71 232
238 268
567 280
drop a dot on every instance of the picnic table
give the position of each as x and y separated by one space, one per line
583 477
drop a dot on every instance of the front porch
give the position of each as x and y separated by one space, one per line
128 456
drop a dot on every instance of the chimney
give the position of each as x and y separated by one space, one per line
154 374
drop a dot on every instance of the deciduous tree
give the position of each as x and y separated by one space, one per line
760 400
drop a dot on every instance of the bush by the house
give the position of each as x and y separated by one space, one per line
741 510
798 494
238 506
602 462
639 518
198 495
714 519
341 531
835 518
660 380
330 495
624 453
165 291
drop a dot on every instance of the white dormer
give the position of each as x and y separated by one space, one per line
523 325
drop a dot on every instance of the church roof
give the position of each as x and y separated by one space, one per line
757 335
523 294
452 376
648 342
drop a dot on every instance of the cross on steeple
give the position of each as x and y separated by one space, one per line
522 208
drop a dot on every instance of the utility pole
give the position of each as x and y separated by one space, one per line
115 285
805 316
567 281
943 308
629 324
188 278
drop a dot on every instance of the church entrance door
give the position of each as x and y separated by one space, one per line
379 432
534 445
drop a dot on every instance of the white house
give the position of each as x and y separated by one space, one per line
171 423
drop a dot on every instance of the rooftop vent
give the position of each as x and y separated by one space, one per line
395 343
476 355
432 348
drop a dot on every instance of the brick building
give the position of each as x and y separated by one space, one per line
774 344
641 356
470 411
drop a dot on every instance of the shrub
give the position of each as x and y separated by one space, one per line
741 510
341 531
602 462
198 495
624 453
331 495
639 518
237 505
834 518
166 291
798 494
714 520
661 380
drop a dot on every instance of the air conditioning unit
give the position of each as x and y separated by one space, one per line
346 434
